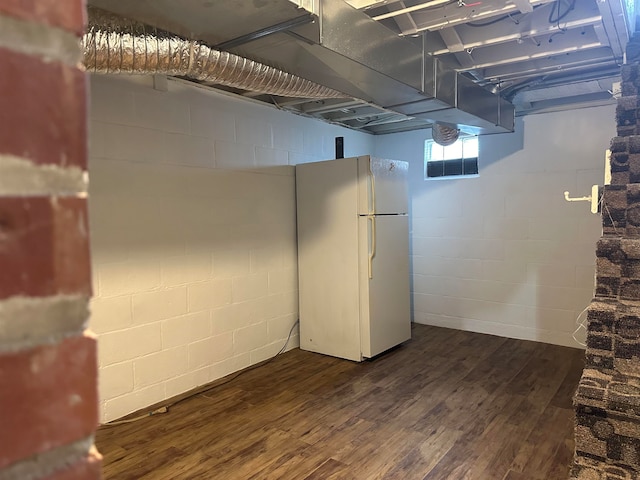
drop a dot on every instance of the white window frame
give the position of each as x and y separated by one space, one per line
453 152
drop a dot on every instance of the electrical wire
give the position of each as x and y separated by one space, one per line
561 32
241 372
202 391
140 417
556 6
273 100
581 325
604 206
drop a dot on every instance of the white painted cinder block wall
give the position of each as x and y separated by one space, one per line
192 208
504 253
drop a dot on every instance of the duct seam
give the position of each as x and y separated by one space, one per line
117 45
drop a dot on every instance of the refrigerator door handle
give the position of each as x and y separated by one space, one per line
372 252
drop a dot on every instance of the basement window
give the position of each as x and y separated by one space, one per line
460 159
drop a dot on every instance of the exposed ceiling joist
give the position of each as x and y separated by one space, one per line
531 48
452 15
524 6
413 8
355 113
613 23
367 4
404 22
546 54
452 40
518 44
324 106
534 24
542 66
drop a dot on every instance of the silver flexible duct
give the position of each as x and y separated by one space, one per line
443 134
114 44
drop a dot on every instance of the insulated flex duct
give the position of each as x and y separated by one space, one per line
114 44
341 48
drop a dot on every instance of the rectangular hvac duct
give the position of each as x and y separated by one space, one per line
334 45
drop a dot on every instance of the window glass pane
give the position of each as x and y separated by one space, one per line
437 151
453 151
459 158
470 166
435 168
470 148
453 167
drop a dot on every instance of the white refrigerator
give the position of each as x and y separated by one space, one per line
353 256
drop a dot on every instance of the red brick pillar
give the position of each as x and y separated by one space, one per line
48 372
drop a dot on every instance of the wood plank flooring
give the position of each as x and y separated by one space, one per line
447 405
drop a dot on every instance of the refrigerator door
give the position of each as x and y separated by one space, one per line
328 261
382 186
385 317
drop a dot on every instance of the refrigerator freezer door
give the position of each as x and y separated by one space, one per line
385 317
382 186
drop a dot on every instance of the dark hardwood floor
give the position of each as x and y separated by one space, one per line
447 405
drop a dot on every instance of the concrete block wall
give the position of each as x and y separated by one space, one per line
504 253
193 234
48 374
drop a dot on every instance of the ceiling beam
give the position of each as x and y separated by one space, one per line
322 106
550 65
451 15
452 40
399 126
465 60
615 28
367 4
534 24
560 91
601 33
356 113
524 6
404 22
413 8
561 43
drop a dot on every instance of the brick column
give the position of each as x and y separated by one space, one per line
48 371
607 399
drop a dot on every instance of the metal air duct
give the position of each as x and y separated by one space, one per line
444 135
114 44
341 48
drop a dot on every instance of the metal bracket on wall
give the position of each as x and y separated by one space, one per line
594 198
